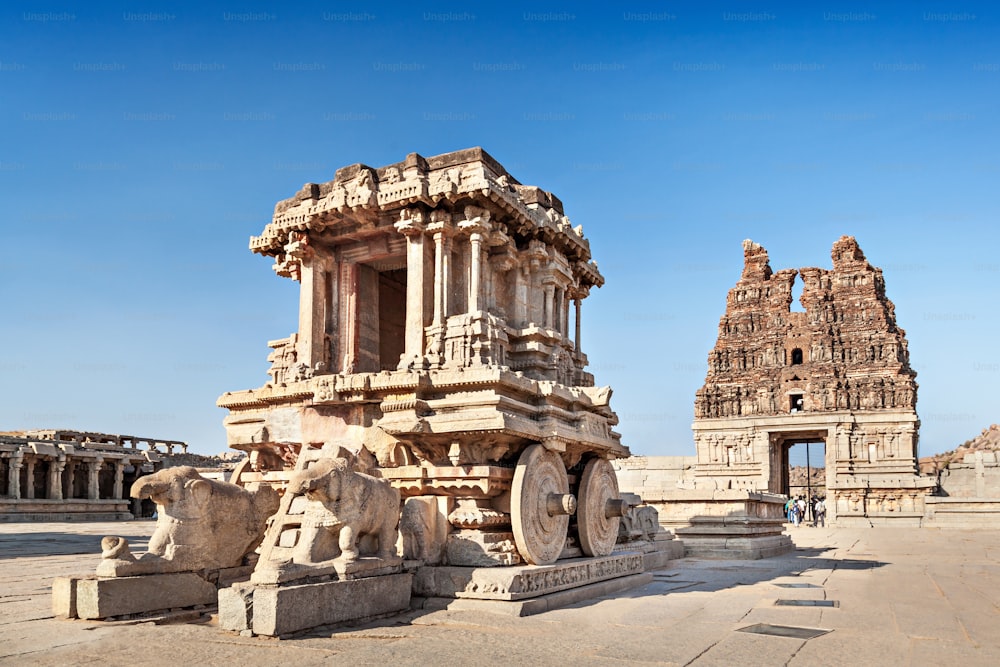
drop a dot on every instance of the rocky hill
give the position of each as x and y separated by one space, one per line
226 461
797 479
987 441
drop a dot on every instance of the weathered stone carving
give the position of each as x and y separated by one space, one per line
836 373
202 525
351 514
435 331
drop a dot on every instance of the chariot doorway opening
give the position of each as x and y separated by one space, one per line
391 317
381 315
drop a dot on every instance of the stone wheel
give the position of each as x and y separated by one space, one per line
540 505
600 508
236 477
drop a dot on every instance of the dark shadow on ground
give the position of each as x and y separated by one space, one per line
37 545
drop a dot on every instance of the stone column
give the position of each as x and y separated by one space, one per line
548 318
14 475
477 223
70 479
521 277
119 478
441 228
577 303
475 270
311 346
93 480
411 225
348 341
565 313
55 478
30 491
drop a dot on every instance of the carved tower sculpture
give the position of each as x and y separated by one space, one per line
837 373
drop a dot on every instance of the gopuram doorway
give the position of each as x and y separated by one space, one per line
805 470
798 463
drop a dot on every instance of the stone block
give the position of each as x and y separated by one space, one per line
119 596
235 607
64 596
281 610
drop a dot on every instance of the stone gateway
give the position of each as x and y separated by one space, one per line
837 373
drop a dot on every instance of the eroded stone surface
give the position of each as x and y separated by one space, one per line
202 525
330 517
837 373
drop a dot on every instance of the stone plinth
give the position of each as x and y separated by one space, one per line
523 581
74 509
726 524
961 512
280 610
656 554
93 598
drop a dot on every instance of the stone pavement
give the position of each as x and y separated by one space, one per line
902 596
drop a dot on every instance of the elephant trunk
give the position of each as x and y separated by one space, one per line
147 487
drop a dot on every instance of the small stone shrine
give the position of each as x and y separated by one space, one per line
436 380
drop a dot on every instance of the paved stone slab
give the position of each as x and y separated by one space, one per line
688 615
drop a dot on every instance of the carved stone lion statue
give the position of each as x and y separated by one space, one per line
353 513
202 524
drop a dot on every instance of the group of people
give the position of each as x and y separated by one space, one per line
795 510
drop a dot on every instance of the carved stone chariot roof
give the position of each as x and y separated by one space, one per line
361 200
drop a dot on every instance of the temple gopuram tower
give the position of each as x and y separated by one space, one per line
837 373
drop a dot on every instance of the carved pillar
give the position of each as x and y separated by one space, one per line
14 478
565 314
30 466
548 318
119 478
477 223
93 479
441 228
475 270
311 345
56 467
70 479
522 277
411 225
349 317
577 303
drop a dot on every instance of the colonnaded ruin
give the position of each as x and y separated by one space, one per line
61 475
431 424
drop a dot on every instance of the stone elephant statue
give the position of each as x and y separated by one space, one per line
352 514
202 524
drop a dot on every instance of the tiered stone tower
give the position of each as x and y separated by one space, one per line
837 373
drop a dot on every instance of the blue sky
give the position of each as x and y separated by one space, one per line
141 144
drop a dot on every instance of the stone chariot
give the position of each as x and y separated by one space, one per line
435 344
